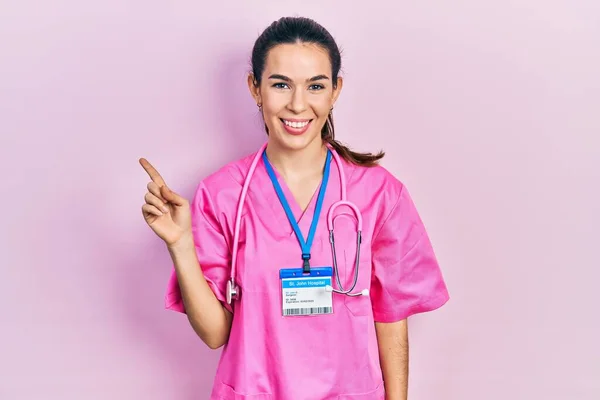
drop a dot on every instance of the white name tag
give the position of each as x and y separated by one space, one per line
306 295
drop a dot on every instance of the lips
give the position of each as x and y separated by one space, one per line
296 126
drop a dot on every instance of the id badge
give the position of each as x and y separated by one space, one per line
306 294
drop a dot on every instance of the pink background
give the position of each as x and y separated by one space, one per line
489 112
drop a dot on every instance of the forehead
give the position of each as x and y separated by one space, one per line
298 61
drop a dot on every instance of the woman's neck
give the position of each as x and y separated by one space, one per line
296 165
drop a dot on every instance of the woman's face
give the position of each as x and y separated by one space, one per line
296 94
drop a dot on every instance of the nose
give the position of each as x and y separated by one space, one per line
297 102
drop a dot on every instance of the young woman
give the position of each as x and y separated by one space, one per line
302 313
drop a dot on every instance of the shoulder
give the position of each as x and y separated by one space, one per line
375 181
379 193
387 199
223 186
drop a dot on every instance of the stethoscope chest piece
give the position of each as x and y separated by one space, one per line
232 291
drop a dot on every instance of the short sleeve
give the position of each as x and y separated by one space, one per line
211 249
406 277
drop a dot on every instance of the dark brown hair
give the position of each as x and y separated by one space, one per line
289 30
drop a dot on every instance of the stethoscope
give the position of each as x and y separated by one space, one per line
233 289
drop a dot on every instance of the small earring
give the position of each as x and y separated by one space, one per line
258 105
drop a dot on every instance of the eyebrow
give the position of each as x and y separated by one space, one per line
285 78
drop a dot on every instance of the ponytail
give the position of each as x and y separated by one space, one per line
363 159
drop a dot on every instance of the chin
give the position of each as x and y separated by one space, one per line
295 142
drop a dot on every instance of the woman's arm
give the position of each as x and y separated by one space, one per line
392 339
210 320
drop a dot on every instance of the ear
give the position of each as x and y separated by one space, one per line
254 89
337 90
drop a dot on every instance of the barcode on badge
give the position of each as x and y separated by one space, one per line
308 311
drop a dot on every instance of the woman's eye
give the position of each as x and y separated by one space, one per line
280 85
316 87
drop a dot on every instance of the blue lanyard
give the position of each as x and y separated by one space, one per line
306 246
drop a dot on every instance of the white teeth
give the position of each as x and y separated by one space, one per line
296 125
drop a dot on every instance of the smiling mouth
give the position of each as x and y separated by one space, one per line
296 124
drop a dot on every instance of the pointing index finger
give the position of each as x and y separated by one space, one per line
152 172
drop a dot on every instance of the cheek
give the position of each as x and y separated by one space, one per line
321 106
272 106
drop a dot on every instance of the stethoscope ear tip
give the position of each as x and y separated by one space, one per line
365 292
328 288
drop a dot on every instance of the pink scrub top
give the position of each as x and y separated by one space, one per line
334 356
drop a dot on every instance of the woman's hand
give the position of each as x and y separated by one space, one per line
166 212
